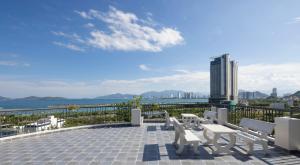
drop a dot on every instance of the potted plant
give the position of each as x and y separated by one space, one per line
73 107
136 102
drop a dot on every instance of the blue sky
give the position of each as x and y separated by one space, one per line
93 48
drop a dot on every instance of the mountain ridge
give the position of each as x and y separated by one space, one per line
148 94
296 94
116 96
255 94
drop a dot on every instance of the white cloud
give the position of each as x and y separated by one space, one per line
262 77
12 60
83 14
297 19
8 63
10 55
69 46
294 20
89 25
73 37
26 64
129 33
13 63
144 67
149 14
22 88
182 71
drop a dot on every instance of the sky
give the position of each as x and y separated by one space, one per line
93 48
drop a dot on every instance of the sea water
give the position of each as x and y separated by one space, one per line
16 104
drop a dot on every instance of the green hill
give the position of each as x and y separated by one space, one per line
296 94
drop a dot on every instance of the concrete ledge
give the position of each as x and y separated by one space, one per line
157 120
154 120
10 138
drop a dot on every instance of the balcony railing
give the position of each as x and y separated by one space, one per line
20 121
156 111
259 113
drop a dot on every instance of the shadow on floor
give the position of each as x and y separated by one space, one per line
198 129
188 153
275 154
278 156
151 128
151 152
117 125
164 128
240 156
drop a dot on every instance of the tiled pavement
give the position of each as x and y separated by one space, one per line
150 144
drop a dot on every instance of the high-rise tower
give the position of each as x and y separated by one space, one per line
223 79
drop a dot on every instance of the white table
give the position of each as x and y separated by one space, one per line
217 131
189 119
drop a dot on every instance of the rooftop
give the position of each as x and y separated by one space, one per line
149 144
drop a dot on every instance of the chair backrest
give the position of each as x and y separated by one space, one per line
213 109
178 126
257 125
167 116
211 115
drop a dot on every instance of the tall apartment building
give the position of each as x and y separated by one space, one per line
274 92
223 79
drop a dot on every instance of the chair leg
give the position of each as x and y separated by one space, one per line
250 147
265 147
176 137
180 149
195 146
181 146
167 124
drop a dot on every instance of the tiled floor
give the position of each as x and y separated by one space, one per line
150 144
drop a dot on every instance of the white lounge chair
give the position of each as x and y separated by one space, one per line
255 131
208 118
184 137
169 120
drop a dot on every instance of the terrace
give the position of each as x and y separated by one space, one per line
108 138
150 144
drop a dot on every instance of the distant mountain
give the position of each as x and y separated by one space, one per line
33 98
116 96
260 94
243 94
4 98
30 98
296 94
150 94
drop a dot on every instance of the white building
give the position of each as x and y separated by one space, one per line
277 105
44 124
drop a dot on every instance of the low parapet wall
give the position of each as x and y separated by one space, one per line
9 138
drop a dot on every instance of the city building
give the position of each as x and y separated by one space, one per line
223 80
251 95
243 102
274 92
277 105
179 95
247 95
191 95
187 95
